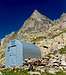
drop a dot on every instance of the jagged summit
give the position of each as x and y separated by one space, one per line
36 22
36 12
36 15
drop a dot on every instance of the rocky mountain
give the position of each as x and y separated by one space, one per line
36 24
38 29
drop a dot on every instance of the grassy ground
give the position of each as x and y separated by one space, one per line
25 72
15 72
63 50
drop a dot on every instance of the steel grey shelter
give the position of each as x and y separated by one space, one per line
17 51
14 53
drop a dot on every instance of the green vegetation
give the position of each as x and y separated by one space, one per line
64 30
62 50
14 72
25 72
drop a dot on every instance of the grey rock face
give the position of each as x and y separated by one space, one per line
37 23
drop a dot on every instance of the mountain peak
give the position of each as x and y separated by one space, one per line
36 23
36 14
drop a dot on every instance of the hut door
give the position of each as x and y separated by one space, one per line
11 54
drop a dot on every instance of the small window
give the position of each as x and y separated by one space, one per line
11 46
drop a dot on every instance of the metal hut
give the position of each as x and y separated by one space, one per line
16 52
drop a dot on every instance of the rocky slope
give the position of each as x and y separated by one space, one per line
40 30
48 35
36 24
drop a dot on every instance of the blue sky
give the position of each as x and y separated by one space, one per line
13 13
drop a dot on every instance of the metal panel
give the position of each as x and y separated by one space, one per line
31 50
14 54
